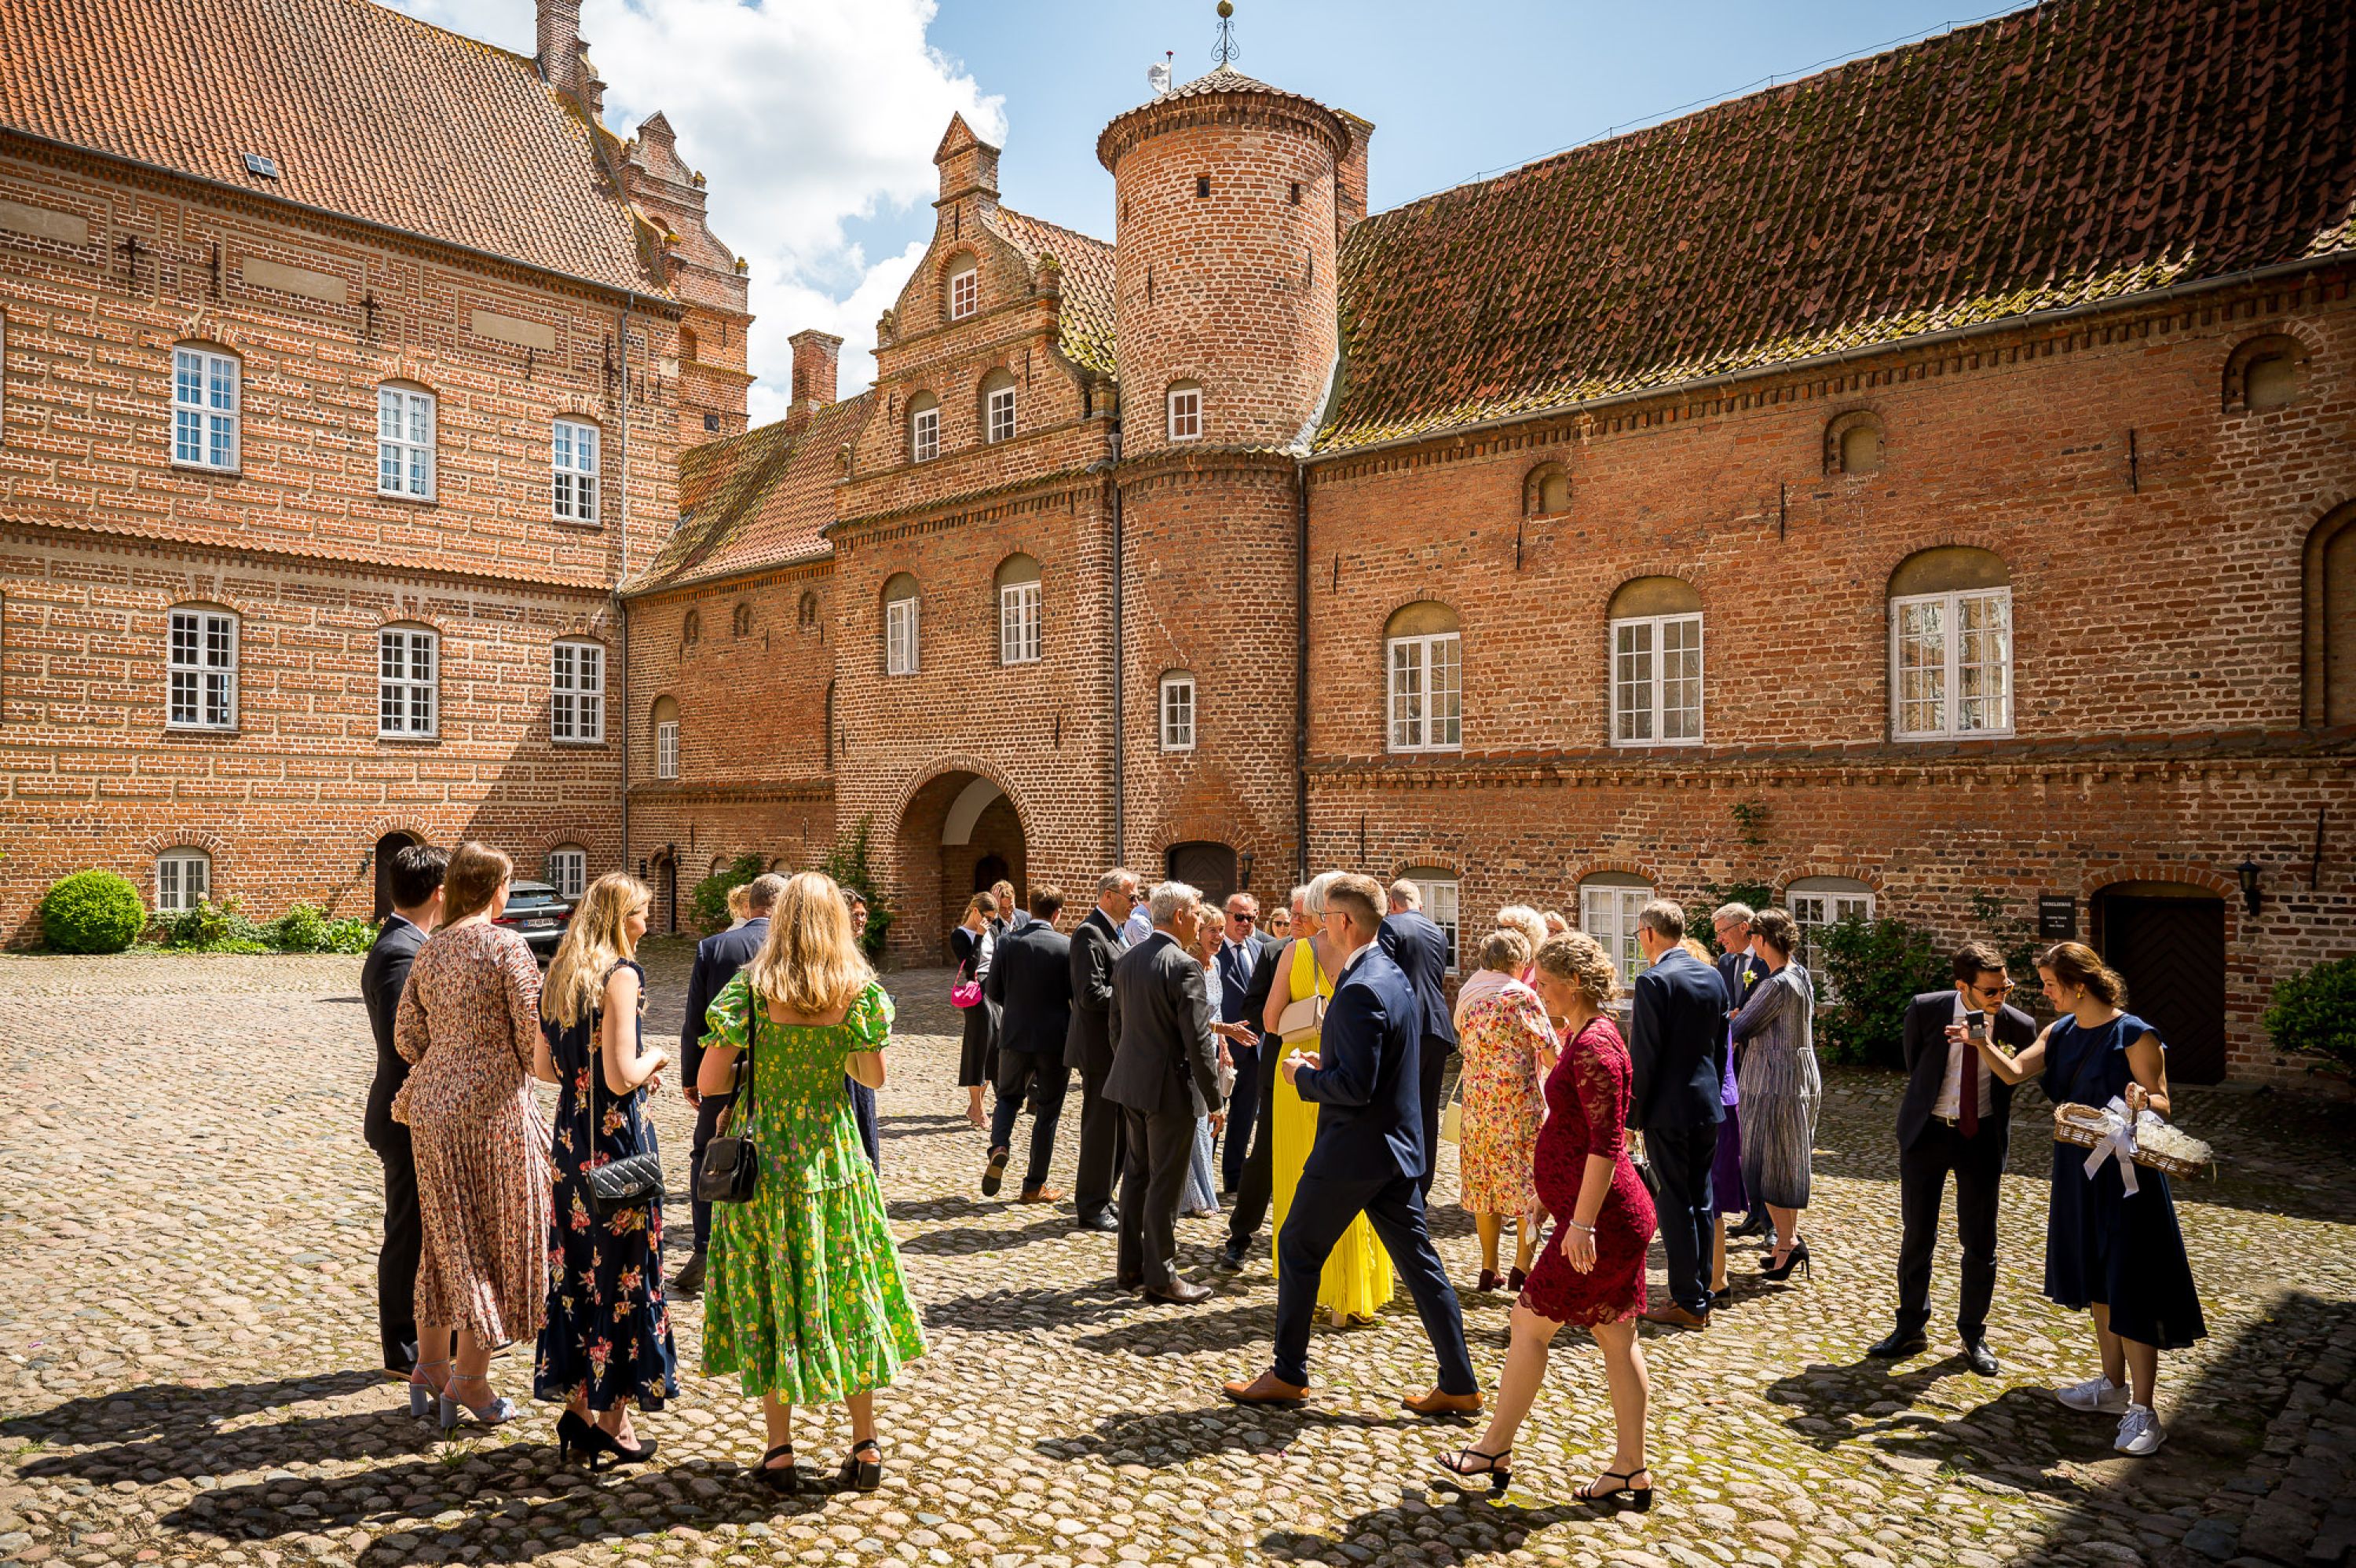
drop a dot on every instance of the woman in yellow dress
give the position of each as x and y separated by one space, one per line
1357 1277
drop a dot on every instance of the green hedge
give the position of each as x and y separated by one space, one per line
1875 968
93 911
225 928
2314 1014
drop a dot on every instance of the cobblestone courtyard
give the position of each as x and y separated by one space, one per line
188 1226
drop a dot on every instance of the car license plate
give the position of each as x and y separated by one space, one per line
540 925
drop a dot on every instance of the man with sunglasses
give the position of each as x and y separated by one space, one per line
1953 1119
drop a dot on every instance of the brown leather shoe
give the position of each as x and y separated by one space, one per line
1040 1195
1179 1293
1669 1315
1265 1389
1437 1402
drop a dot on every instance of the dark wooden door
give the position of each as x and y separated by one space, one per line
389 845
2172 952
1210 867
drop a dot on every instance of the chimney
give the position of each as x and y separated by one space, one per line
816 355
560 45
967 164
1350 175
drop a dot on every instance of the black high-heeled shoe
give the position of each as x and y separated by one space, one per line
1796 1258
572 1433
785 1477
858 1474
1626 1495
600 1449
1455 1472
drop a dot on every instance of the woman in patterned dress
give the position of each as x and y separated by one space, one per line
1593 1271
806 1303
607 1339
1781 1087
1508 1050
469 1029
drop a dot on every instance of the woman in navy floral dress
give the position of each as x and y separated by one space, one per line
607 1341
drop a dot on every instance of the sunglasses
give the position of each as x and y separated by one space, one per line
1242 919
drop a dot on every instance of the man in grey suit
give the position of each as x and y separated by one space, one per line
416 909
1087 1048
1165 1075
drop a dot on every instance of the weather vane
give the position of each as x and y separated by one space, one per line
1226 50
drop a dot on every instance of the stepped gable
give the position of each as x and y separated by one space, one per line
368 114
1087 318
756 500
2081 151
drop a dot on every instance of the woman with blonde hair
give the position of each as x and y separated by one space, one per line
1592 1270
607 1338
807 1303
1500 1028
1532 928
468 1027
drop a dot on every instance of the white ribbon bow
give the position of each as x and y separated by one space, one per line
2118 1142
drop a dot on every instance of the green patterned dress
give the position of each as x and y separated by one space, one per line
804 1298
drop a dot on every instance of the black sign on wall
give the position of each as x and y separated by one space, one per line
2057 918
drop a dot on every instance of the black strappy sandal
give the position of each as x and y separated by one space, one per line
783 1478
1624 1495
861 1474
1455 1473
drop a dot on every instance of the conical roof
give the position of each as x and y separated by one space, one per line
1196 101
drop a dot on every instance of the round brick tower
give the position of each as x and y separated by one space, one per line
1226 334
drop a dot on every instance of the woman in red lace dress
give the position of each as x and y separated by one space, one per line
1592 1270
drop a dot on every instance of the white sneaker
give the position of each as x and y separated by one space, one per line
2095 1394
2140 1432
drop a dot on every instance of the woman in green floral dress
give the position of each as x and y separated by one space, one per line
805 1301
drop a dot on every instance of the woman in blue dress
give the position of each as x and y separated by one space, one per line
2118 1254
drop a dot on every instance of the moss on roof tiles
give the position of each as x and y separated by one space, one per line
758 500
1085 320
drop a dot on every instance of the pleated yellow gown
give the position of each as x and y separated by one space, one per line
1357 1278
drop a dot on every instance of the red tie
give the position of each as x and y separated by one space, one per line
1968 1111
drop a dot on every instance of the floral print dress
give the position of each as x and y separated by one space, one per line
608 1327
1500 1037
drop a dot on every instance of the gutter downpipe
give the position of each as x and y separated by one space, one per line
621 605
1119 734
1301 668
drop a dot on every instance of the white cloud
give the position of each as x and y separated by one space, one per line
803 114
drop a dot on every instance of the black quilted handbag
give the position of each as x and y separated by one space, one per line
629 1182
732 1162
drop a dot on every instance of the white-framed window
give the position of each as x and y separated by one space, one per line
1018 623
900 603
407 661
184 879
1440 904
205 395
1186 411
203 668
568 870
404 443
1656 681
667 749
1951 663
1427 693
964 293
576 702
1608 912
573 445
1177 712
1816 902
925 431
999 412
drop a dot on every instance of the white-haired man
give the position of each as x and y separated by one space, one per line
1165 1076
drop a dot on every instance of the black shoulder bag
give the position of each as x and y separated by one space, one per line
634 1180
731 1163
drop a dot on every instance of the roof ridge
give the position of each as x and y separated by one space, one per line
1050 223
417 21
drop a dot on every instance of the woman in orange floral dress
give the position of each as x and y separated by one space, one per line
1500 1028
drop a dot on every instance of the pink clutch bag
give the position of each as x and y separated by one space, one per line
966 994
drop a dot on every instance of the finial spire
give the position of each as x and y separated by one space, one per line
1226 51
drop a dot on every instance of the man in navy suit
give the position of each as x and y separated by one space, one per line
1031 981
717 959
1369 1157
1676 1038
416 879
1420 948
1241 956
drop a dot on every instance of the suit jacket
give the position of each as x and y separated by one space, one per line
1031 980
1267 976
1096 944
1420 948
1236 985
382 976
1676 1044
717 959
1927 1018
1369 1118
1732 967
1164 1057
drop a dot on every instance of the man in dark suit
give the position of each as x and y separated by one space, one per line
1955 1117
1087 1051
1420 948
1738 969
1031 981
1240 961
1369 1157
1165 1075
416 879
1676 1036
1246 1215
717 959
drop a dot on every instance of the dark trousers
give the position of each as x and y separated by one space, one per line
1322 1210
707 1124
1432 1067
396 1259
1043 1079
1250 1210
862 1111
1156 1148
1243 1110
1103 1130
1681 1159
1977 1165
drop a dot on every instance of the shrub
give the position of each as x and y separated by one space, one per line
352 935
849 864
301 929
93 911
212 928
2315 1014
707 905
1875 968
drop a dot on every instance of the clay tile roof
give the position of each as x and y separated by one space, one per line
756 500
367 112
1086 318
2081 151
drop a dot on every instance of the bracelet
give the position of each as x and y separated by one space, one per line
1576 1226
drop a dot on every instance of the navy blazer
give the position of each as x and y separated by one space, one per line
1370 1120
1676 1044
382 976
1413 942
1031 981
1731 969
717 959
1234 984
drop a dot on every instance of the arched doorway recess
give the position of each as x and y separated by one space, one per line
959 833
389 845
2169 940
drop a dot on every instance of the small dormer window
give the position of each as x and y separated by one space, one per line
261 168
964 293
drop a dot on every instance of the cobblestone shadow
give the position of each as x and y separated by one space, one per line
1161 1438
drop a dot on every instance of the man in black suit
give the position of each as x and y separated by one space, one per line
1369 1157
1417 945
717 959
1955 1117
1165 1075
1240 961
1676 1035
416 879
1096 944
1031 981
1738 969
1253 1190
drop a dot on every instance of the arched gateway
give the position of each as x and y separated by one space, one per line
959 833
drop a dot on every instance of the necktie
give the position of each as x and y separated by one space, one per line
1967 1108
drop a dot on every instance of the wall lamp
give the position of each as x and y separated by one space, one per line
1244 868
2248 871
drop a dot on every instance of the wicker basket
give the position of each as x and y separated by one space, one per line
2084 1125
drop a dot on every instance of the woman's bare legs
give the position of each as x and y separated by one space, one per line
1718 1256
778 1420
1517 1386
1787 1231
1631 1385
1489 1226
1525 1243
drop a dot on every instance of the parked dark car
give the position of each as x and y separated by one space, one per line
538 912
